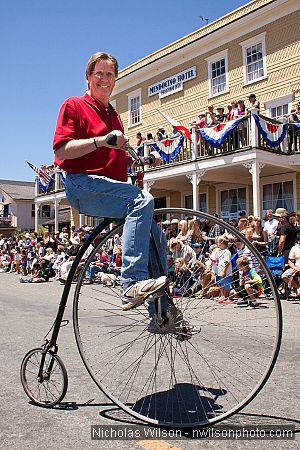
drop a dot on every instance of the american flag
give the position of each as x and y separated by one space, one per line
177 125
41 173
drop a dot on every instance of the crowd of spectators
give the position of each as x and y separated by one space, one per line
233 110
221 260
37 258
226 263
215 116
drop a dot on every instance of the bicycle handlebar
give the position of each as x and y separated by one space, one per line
111 139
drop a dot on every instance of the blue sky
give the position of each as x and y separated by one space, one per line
45 46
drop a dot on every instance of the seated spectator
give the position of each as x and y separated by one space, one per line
182 250
258 238
243 225
35 277
194 233
5 261
183 231
221 262
253 103
250 286
182 278
49 255
243 250
291 275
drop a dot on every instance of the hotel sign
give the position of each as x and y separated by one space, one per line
172 84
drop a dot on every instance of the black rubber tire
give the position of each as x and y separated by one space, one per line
99 369
47 393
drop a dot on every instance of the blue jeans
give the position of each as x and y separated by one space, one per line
103 197
92 270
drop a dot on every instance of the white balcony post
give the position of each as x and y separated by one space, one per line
195 179
36 216
285 143
148 185
56 209
254 168
56 180
81 220
146 149
36 187
254 140
194 144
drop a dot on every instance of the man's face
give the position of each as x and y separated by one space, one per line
102 80
269 214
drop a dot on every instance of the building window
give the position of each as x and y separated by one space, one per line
217 74
233 202
254 59
33 210
134 108
46 211
203 203
278 195
188 201
280 107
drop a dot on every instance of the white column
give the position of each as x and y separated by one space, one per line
285 143
81 220
254 141
56 180
148 185
194 144
195 179
254 168
56 209
36 216
146 150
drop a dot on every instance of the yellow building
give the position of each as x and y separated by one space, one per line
254 49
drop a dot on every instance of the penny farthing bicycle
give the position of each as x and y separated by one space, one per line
153 368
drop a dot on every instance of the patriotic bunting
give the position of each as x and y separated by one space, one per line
272 133
168 148
217 135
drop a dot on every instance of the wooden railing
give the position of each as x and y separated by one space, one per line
239 139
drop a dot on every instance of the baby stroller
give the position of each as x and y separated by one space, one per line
276 265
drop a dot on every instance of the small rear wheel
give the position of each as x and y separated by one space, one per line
49 388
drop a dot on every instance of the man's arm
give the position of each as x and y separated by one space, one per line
80 147
281 244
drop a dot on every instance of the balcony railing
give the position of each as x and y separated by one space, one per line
240 139
5 220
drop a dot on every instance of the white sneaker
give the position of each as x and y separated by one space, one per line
136 294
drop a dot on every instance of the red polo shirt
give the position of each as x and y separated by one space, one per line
83 118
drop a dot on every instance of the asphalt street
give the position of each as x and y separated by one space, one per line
27 313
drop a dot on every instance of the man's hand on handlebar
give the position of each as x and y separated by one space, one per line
116 139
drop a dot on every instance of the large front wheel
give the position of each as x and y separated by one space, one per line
170 376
